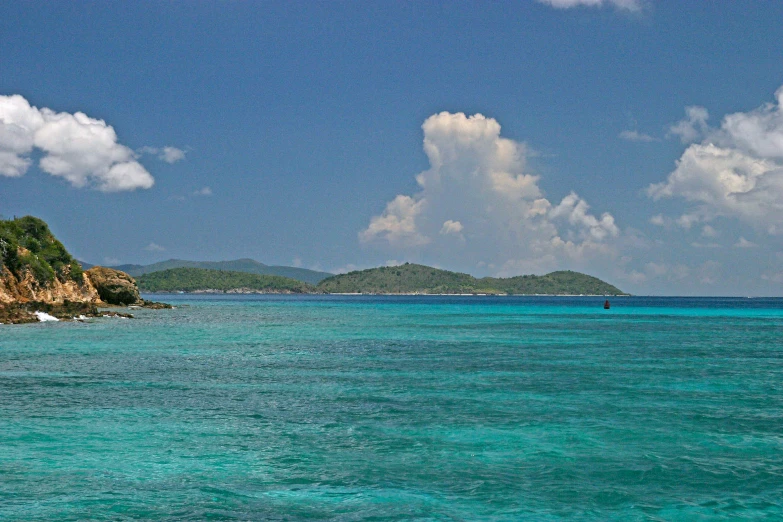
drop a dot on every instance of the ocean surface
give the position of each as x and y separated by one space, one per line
397 408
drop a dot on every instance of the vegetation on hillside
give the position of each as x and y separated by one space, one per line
564 282
250 266
401 279
411 278
202 279
26 243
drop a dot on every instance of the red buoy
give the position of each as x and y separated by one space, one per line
606 304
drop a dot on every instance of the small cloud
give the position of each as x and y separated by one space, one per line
167 154
451 227
708 231
393 262
775 278
297 262
705 245
206 191
686 221
153 247
708 272
628 5
693 127
744 243
637 277
171 154
110 261
671 272
656 269
632 135
634 238
658 220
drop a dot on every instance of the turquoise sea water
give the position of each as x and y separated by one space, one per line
398 408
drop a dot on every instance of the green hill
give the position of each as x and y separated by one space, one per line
249 266
26 243
201 279
420 279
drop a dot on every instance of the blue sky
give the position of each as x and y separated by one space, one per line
491 138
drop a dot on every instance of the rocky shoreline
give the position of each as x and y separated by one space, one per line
41 281
36 311
28 302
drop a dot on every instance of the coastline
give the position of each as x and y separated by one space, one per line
243 291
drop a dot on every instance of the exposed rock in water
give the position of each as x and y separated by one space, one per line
154 305
114 287
112 313
18 313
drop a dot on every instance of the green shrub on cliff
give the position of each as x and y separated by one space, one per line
27 243
9 249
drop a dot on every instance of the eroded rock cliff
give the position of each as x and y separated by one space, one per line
26 287
37 273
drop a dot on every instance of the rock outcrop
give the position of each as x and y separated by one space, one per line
37 274
25 287
113 286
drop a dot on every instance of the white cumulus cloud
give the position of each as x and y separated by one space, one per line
758 132
397 224
734 171
82 150
575 210
479 188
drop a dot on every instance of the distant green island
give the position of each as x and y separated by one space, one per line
38 275
237 265
208 280
403 279
35 266
419 279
